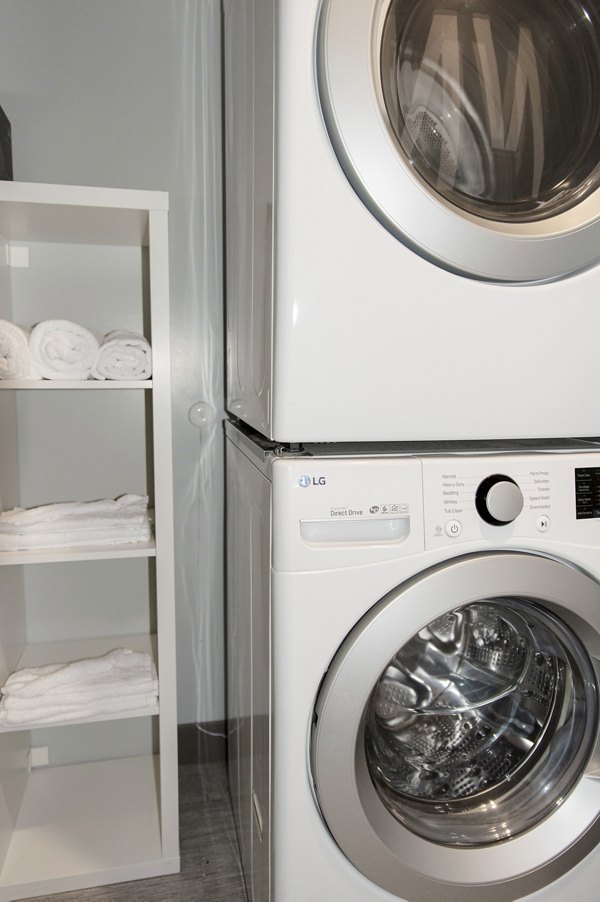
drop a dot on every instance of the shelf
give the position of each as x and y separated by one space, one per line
73 215
85 384
86 825
77 649
79 553
102 256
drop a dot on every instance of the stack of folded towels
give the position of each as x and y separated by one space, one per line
60 349
113 684
76 523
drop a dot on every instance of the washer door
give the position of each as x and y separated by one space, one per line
456 731
471 128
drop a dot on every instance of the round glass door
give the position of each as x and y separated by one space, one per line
495 104
470 128
455 738
482 723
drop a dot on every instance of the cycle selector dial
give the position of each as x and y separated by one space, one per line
499 500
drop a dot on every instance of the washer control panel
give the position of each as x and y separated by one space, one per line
331 512
503 497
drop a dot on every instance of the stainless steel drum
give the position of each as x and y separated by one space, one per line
489 698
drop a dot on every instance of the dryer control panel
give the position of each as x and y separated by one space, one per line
503 497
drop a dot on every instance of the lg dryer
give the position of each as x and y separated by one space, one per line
413 218
413 674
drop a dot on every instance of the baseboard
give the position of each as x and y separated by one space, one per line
202 743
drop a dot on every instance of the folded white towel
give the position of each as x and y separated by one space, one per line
77 538
123 355
76 696
76 523
15 359
120 667
61 349
62 713
114 683
104 512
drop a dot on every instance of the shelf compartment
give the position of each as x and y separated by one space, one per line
72 214
86 825
77 649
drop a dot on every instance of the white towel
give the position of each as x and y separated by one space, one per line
61 349
105 512
123 355
61 713
117 669
73 696
114 683
76 523
15 359
77 538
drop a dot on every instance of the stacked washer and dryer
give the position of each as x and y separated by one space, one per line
413 268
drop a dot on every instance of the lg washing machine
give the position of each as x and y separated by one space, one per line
414 644
413 218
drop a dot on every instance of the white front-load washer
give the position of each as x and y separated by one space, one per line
413 218
414 644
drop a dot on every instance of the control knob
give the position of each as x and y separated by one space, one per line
498 500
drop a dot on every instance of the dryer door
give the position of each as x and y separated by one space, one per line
455 737
471 128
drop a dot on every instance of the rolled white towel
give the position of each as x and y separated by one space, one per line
123 355
15 358
61 349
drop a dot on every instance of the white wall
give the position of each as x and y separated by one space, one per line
125 93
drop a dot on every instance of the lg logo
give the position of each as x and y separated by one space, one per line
306 481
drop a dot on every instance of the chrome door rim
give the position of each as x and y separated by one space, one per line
352 106
385 851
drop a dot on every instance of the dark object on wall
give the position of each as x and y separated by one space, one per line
6 169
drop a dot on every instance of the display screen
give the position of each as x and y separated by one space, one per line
587 492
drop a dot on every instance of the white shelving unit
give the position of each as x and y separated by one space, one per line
104 808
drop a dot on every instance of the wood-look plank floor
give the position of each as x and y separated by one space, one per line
210 866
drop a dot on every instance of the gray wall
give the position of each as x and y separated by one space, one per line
125 93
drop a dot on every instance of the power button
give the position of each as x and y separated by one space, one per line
453 528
